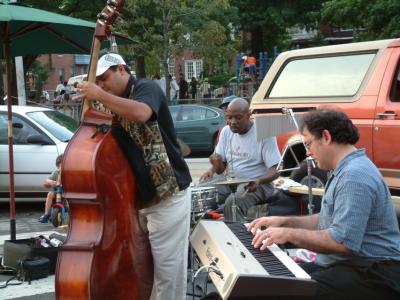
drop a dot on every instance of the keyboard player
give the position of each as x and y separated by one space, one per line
356 234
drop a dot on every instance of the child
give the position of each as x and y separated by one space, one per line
51 182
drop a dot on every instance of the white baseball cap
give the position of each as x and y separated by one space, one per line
107 61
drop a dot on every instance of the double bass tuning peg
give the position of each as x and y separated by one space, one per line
102 18
112 3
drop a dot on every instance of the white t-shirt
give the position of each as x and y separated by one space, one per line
59 87
245 156
174 89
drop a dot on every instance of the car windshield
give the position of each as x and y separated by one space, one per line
58 124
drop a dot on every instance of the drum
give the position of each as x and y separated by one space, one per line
204 199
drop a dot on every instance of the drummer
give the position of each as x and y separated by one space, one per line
239 152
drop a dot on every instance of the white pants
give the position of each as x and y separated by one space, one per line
168 224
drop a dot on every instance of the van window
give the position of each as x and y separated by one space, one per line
395 92
322 76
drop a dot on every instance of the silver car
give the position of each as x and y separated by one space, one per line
40 135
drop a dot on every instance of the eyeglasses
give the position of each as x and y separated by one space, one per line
309 143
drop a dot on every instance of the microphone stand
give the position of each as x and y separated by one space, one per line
233 188
309 183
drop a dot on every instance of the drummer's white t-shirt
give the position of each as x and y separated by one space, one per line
245 156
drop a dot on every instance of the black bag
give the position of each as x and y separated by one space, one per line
34 268
16 251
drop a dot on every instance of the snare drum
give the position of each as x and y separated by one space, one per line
204 199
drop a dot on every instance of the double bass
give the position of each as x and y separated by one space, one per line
106 254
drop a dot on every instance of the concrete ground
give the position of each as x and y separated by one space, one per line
27 226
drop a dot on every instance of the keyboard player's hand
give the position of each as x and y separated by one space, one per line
271 235
266 222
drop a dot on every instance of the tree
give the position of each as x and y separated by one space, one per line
53 6
41 73
86 10
268 21
213 36
164 28
212 44
370 19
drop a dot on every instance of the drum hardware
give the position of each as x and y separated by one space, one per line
233 184
204 199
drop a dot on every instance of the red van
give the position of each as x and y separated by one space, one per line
360 79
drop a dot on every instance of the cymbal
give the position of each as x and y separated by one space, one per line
232 181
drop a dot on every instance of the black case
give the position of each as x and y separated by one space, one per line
17 250
35 268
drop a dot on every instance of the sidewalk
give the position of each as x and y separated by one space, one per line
43 289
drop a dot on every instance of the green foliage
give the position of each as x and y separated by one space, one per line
371 19
164 28
152 66
86 10
41 74
53 5
220 80
268 21
212 44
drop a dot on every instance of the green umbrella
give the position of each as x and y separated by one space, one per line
34 31
28 31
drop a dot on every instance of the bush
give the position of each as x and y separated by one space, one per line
219 80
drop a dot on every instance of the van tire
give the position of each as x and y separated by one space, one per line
319 177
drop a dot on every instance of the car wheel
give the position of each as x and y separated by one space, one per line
318 179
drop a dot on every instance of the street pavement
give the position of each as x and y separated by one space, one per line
27 226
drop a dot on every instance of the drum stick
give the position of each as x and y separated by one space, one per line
245 192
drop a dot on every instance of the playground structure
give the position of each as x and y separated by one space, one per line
246 83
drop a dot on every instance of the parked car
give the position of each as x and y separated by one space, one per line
40 135
197 125
360 79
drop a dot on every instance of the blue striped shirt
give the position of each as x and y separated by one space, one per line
358 212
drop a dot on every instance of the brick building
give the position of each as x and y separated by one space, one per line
187 65
63 66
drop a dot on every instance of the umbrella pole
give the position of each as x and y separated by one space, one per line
10 135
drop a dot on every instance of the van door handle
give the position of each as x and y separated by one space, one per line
386 114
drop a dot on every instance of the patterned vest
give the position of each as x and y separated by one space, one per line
147 137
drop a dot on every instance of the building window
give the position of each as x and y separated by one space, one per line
171 66
193 68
